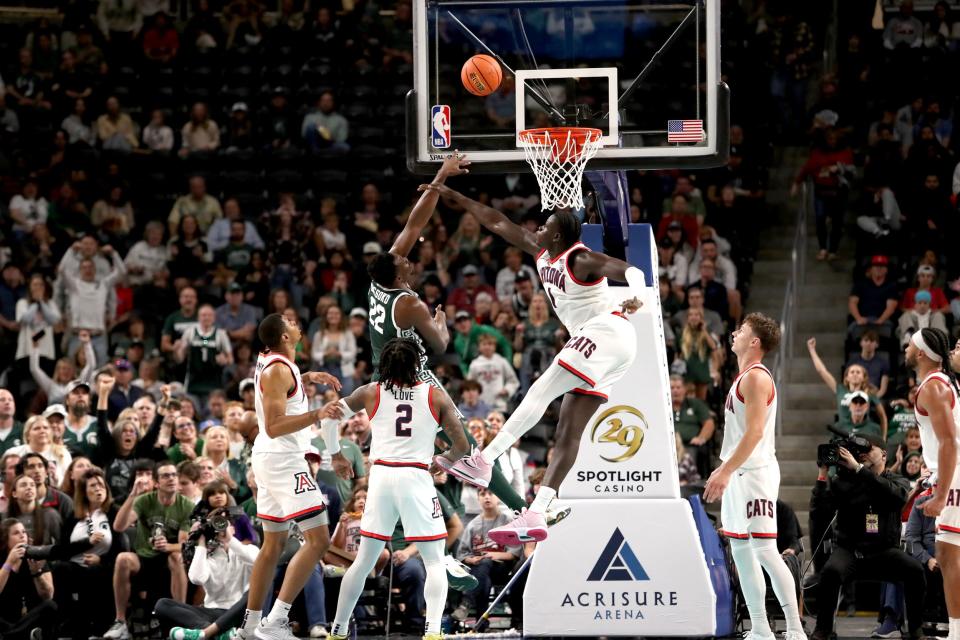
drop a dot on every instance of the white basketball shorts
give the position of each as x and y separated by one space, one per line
286 492
600 353
748 508
403 490
948 522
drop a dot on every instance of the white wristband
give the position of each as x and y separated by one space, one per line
635 281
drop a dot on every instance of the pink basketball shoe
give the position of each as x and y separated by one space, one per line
529 526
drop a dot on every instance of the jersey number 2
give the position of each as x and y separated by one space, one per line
404 416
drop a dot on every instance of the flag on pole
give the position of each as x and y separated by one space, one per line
684 130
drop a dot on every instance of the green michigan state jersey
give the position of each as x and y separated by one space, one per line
383 323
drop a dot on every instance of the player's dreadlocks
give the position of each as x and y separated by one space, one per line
568 225
938 341
399 363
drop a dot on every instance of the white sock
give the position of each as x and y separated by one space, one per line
545 496
280 611
251 619
554 382
501 443
752 586
954 630
780 579
351 586
435 587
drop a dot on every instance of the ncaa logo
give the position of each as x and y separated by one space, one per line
617 562
440 126
620 431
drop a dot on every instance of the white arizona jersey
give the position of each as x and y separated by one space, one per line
403 424
735 424
296 442
931 446
575 301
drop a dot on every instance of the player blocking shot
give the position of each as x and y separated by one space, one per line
938 415
396 311
749 480
287 491
405 414
601 349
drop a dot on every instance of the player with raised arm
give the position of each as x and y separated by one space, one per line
287 492
938 417
601 349
405 414
396 311
749 480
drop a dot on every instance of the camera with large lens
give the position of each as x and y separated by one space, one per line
828 455
212 523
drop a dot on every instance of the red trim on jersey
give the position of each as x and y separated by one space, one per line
542 251
576 372
439 536
400 463
932 376
375 536
738 536
566 251
310 510
293 391
573 277
376 405
433 411
621 314
587 392
773 392
944 527
764 535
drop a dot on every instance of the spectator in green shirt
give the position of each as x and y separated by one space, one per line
162 518
11 429
466 342
188 446
693 422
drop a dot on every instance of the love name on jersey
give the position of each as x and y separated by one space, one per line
760 508
586 346
553 276
402 394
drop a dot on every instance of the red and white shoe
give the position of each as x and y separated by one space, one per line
529 526
472 469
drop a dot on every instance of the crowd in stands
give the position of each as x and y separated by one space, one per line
883 156
173 173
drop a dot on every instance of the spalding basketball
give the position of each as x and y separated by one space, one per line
481 75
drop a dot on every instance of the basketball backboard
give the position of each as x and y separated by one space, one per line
564 62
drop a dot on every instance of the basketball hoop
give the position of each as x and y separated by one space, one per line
557 156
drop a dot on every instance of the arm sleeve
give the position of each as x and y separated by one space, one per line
51 312
913 536
247 553
43 380
200 568
87 373
106 451
330 427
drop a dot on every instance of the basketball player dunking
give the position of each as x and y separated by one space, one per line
397 311
287 491
938 417
749 480
405 414
601 349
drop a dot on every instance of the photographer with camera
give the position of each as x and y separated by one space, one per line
867 526
26 587
163 520
221 565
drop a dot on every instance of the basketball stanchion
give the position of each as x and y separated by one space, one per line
480 626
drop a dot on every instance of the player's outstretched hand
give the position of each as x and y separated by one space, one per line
631 306
439 315
330 410
455 165
321 377
342 466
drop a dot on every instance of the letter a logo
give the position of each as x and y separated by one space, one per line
302 482
617 562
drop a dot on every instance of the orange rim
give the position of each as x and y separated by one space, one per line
546 135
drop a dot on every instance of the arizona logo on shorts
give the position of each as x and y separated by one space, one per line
437 511
302 483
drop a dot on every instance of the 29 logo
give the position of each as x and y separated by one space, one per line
623 427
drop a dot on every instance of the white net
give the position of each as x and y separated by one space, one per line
557 157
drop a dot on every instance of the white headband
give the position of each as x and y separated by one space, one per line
918 342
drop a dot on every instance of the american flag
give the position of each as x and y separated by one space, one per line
684 130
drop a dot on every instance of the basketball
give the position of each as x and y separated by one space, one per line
481 75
